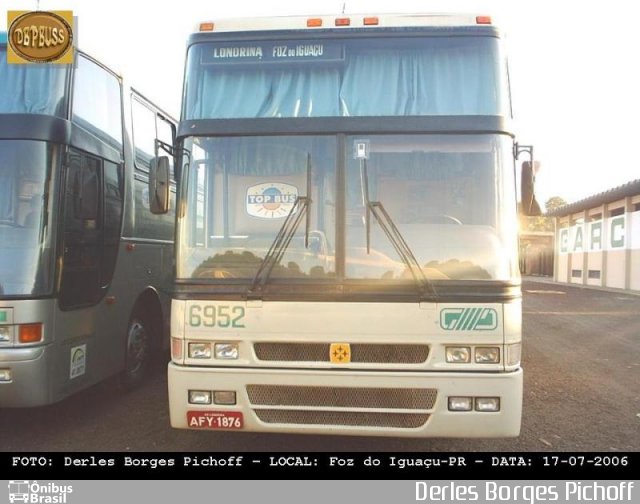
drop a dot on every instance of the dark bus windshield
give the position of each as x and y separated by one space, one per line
398 76
32 89
26 233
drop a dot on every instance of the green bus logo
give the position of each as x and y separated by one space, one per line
468 319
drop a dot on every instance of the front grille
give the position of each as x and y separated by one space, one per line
342 397
361 353
344 418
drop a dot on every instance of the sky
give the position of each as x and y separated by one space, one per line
574 68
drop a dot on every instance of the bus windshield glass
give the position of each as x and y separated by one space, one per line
384 76
26 241
32 89
449 196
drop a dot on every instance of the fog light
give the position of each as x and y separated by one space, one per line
227 397
199 350
514 354
5 375
5 334
487 404
458 355
487 355
227 351
460 403
199 397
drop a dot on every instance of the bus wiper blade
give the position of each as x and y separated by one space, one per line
281 243
402 247
285 234
384 220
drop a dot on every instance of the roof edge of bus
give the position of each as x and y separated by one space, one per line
358 20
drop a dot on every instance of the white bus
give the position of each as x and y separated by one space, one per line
84 264
347 232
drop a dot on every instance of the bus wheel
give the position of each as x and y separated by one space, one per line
139 346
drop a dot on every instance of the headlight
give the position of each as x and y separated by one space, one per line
487 404
228 351
199 397
487 355
5 334
460 403
199 350
458 355
226 397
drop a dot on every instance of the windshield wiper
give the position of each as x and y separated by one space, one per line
285 234
384 220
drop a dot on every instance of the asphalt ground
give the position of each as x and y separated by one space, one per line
581 359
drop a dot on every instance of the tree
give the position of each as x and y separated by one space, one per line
542 223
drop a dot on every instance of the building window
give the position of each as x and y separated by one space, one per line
576 273
594 274
616 211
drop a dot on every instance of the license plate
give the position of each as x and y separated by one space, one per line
215 419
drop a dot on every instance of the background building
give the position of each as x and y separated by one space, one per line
598 239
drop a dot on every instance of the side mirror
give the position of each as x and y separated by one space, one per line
529 206
159 182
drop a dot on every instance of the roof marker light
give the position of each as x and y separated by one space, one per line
314 22
370 21
483 19
343 21
206 26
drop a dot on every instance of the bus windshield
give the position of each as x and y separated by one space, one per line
32 89
383 76
26 241
449 196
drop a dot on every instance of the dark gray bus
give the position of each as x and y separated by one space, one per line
84 264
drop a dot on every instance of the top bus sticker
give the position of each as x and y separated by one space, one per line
272 200
273 52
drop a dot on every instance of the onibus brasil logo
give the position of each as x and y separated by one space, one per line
38 493
468 319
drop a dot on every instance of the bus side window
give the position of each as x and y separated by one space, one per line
166 134
144 134
97 102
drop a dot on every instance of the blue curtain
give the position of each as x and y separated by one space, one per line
456 80
32 89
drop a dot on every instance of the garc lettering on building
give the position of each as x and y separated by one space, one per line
606 234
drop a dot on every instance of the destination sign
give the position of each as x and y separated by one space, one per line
272 52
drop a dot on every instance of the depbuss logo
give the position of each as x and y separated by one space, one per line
40 37
38 493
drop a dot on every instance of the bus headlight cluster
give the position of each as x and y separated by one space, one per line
221 397
481 354
481 404
222 351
